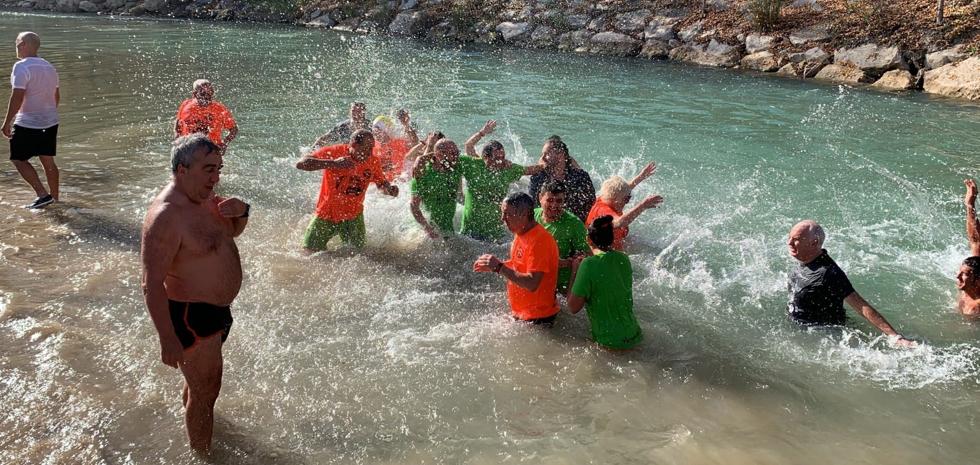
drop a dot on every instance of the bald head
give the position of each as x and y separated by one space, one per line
446 152
806 241
27 44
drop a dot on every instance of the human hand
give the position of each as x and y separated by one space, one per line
391 190
971 192
7 132
171 351
488 127
232 208
652 201
487 263
430 140
647 171
403 117
900 341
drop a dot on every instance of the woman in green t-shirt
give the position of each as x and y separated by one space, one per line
604 283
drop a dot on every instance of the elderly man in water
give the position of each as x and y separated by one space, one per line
818 287
203 114
968 278
191 274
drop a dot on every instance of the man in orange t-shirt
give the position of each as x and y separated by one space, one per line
205 115
532 271
347 171
391 150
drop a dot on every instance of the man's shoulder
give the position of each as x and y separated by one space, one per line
331 151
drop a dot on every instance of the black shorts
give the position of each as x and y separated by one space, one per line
195 320
27 143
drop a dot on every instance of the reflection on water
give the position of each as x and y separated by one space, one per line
401 354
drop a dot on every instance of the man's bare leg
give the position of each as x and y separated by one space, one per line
27 171
51 172
202 371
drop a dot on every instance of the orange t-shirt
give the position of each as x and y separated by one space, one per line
533 251
212 119
602 208
392 156
342 190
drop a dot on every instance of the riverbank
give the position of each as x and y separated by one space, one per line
890 46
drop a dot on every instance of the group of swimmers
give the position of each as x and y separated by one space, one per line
566 239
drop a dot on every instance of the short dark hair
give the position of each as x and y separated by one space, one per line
184 148
601 232
358 136
491 146
558 144
973 263
522 202
553 187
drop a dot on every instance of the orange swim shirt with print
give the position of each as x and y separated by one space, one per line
212 119
533 251
342 190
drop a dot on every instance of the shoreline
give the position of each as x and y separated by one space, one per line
715 37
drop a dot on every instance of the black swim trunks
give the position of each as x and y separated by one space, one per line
26 143
193 320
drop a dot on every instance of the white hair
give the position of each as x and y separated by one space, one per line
614 188
201 82
813 230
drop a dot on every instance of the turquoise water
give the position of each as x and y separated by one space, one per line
402 355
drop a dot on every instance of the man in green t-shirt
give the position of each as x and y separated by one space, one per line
604 282
488 179
435 187
566 228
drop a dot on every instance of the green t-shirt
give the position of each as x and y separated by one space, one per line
438 191
569 233
485 189
605 281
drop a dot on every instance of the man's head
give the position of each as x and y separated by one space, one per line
196 165
554 152
27 44
357 111
601 232
968 279
203 91
382 128
362 144
517 212
806 241
493 153
616 192
446 152
552 199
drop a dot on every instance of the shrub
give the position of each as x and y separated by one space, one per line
765 13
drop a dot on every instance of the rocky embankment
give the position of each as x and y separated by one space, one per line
893 46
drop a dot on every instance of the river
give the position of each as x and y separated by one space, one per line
402 355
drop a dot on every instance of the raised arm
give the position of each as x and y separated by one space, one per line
862 307
650 202
646 172
13 106
316 164
972 227
475 138
159 246
405 118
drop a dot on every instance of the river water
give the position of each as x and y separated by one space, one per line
401 355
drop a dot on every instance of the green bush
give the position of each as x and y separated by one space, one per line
766 13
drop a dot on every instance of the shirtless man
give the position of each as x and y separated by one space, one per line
191 274
968 279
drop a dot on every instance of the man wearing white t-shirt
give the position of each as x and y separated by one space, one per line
31 123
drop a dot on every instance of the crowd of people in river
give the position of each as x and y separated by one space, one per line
567 240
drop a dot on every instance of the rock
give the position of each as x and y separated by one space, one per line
613 43
154 6
404 24
597 24
841 73
543 36
714 54
655 50
408 4
943 57
757 43
763 61
815 33
659 32
811 4
961 80
632 21
137 10
896 79
87 6
718 5
573 40
513 32
815 55
788 70
690 32
871 58
576 21
66 6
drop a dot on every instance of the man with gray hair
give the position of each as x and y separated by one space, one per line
818 287
191 274
203 114
31 122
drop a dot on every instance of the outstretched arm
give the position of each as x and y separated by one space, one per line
316 164
646 172
475 138
631 215
972 227
405 119
862 307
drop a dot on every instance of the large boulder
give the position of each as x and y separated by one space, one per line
574 40
513 32
577 21
404 24
659 32
543 36
960 80
871 58
154 6
896 79
408 4
788 70
632 21
655 50
714 54
87 6
614 43
841 73
757 43
690 32
814 33
943 57
815 55
763 61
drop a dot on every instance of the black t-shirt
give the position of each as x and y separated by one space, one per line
817 291
579 191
